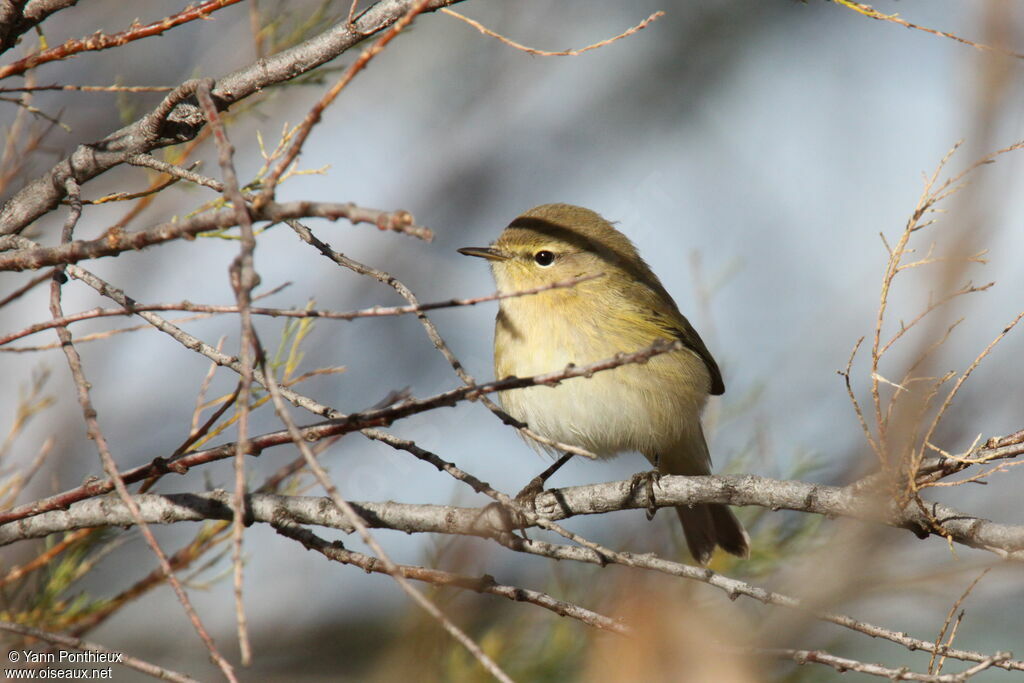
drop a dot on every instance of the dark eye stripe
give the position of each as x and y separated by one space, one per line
544 258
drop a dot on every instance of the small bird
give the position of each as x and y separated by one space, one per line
654 408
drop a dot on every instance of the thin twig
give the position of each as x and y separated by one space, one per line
919 455
27 287
118 241
388 565
92 88
131 196
106 457
932 668
243 280
204 386
100 41
546 53
845 664
150 161
483 584
316 111
373 312
871 12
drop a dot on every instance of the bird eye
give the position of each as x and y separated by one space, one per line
544 258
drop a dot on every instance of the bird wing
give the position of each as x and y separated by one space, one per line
678 327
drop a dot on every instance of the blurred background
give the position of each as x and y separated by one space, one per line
752 151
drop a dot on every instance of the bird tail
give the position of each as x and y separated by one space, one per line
705 525
713 524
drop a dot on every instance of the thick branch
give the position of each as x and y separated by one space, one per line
18 17
290 510
1005 540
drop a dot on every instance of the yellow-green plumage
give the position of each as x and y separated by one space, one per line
654 408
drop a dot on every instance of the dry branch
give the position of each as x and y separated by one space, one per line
481 584
100 41
1005 540
174 121
118 241
372 312
486 522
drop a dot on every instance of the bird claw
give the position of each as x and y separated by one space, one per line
528 496
647 480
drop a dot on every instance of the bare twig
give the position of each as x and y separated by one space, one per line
545 53
919 455
100 41
106 457
117 241
317 110
483 584
932 668
845 664
130 196
150 161
360 526
554 505
27 287
243 280
871 12
92 88
373 312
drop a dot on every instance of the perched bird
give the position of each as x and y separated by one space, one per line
654 408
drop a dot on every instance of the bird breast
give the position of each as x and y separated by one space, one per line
649 407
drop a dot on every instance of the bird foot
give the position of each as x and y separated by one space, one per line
647 480
528 496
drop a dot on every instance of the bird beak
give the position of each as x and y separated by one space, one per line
485 252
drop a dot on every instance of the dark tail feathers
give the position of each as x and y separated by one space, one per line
709 525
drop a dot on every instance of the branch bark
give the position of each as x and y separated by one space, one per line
1005 540
116 241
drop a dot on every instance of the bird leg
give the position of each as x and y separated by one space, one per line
536 485
647 480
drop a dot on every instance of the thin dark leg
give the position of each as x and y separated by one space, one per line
536 485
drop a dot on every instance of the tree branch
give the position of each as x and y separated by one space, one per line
116 241
101 41
844 664
173 122
486 522
556 504
480 584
